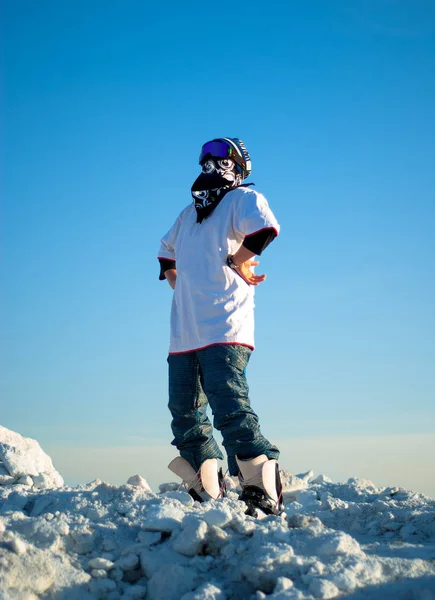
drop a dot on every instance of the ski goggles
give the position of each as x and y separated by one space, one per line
220 149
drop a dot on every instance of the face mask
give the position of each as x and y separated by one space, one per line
219 176
225 167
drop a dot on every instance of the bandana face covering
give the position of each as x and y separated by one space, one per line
219 176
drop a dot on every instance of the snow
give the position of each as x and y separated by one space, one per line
334 540
22 459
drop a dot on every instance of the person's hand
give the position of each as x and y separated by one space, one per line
171 276
245 272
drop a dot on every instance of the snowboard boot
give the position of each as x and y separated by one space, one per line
261 485
206 484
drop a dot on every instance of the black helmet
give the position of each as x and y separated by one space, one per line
228 148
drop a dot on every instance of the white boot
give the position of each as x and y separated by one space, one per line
203 485
261 485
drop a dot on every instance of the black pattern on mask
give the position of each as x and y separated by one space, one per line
216 180
207 192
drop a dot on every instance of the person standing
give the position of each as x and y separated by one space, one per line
208 258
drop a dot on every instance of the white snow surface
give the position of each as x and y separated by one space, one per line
23 460
334 540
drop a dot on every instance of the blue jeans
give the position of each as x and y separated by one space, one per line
214 375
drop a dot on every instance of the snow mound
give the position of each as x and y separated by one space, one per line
111 542
23 462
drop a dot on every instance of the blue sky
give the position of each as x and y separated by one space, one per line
104 109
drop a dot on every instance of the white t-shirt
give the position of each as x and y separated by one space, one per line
212 304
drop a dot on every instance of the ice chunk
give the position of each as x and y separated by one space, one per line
207 591
282 584
22 456
219 517
129 562
25 480
3 470
100 563
100 588
322 588
139 481
18 546
169 487
7 480
99 573
339 543
190 539
321 479
181 496
171 582
164 517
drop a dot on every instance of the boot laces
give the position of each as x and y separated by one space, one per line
223 485
196 484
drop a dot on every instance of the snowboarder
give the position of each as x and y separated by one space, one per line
207 258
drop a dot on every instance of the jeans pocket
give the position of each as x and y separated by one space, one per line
237 356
